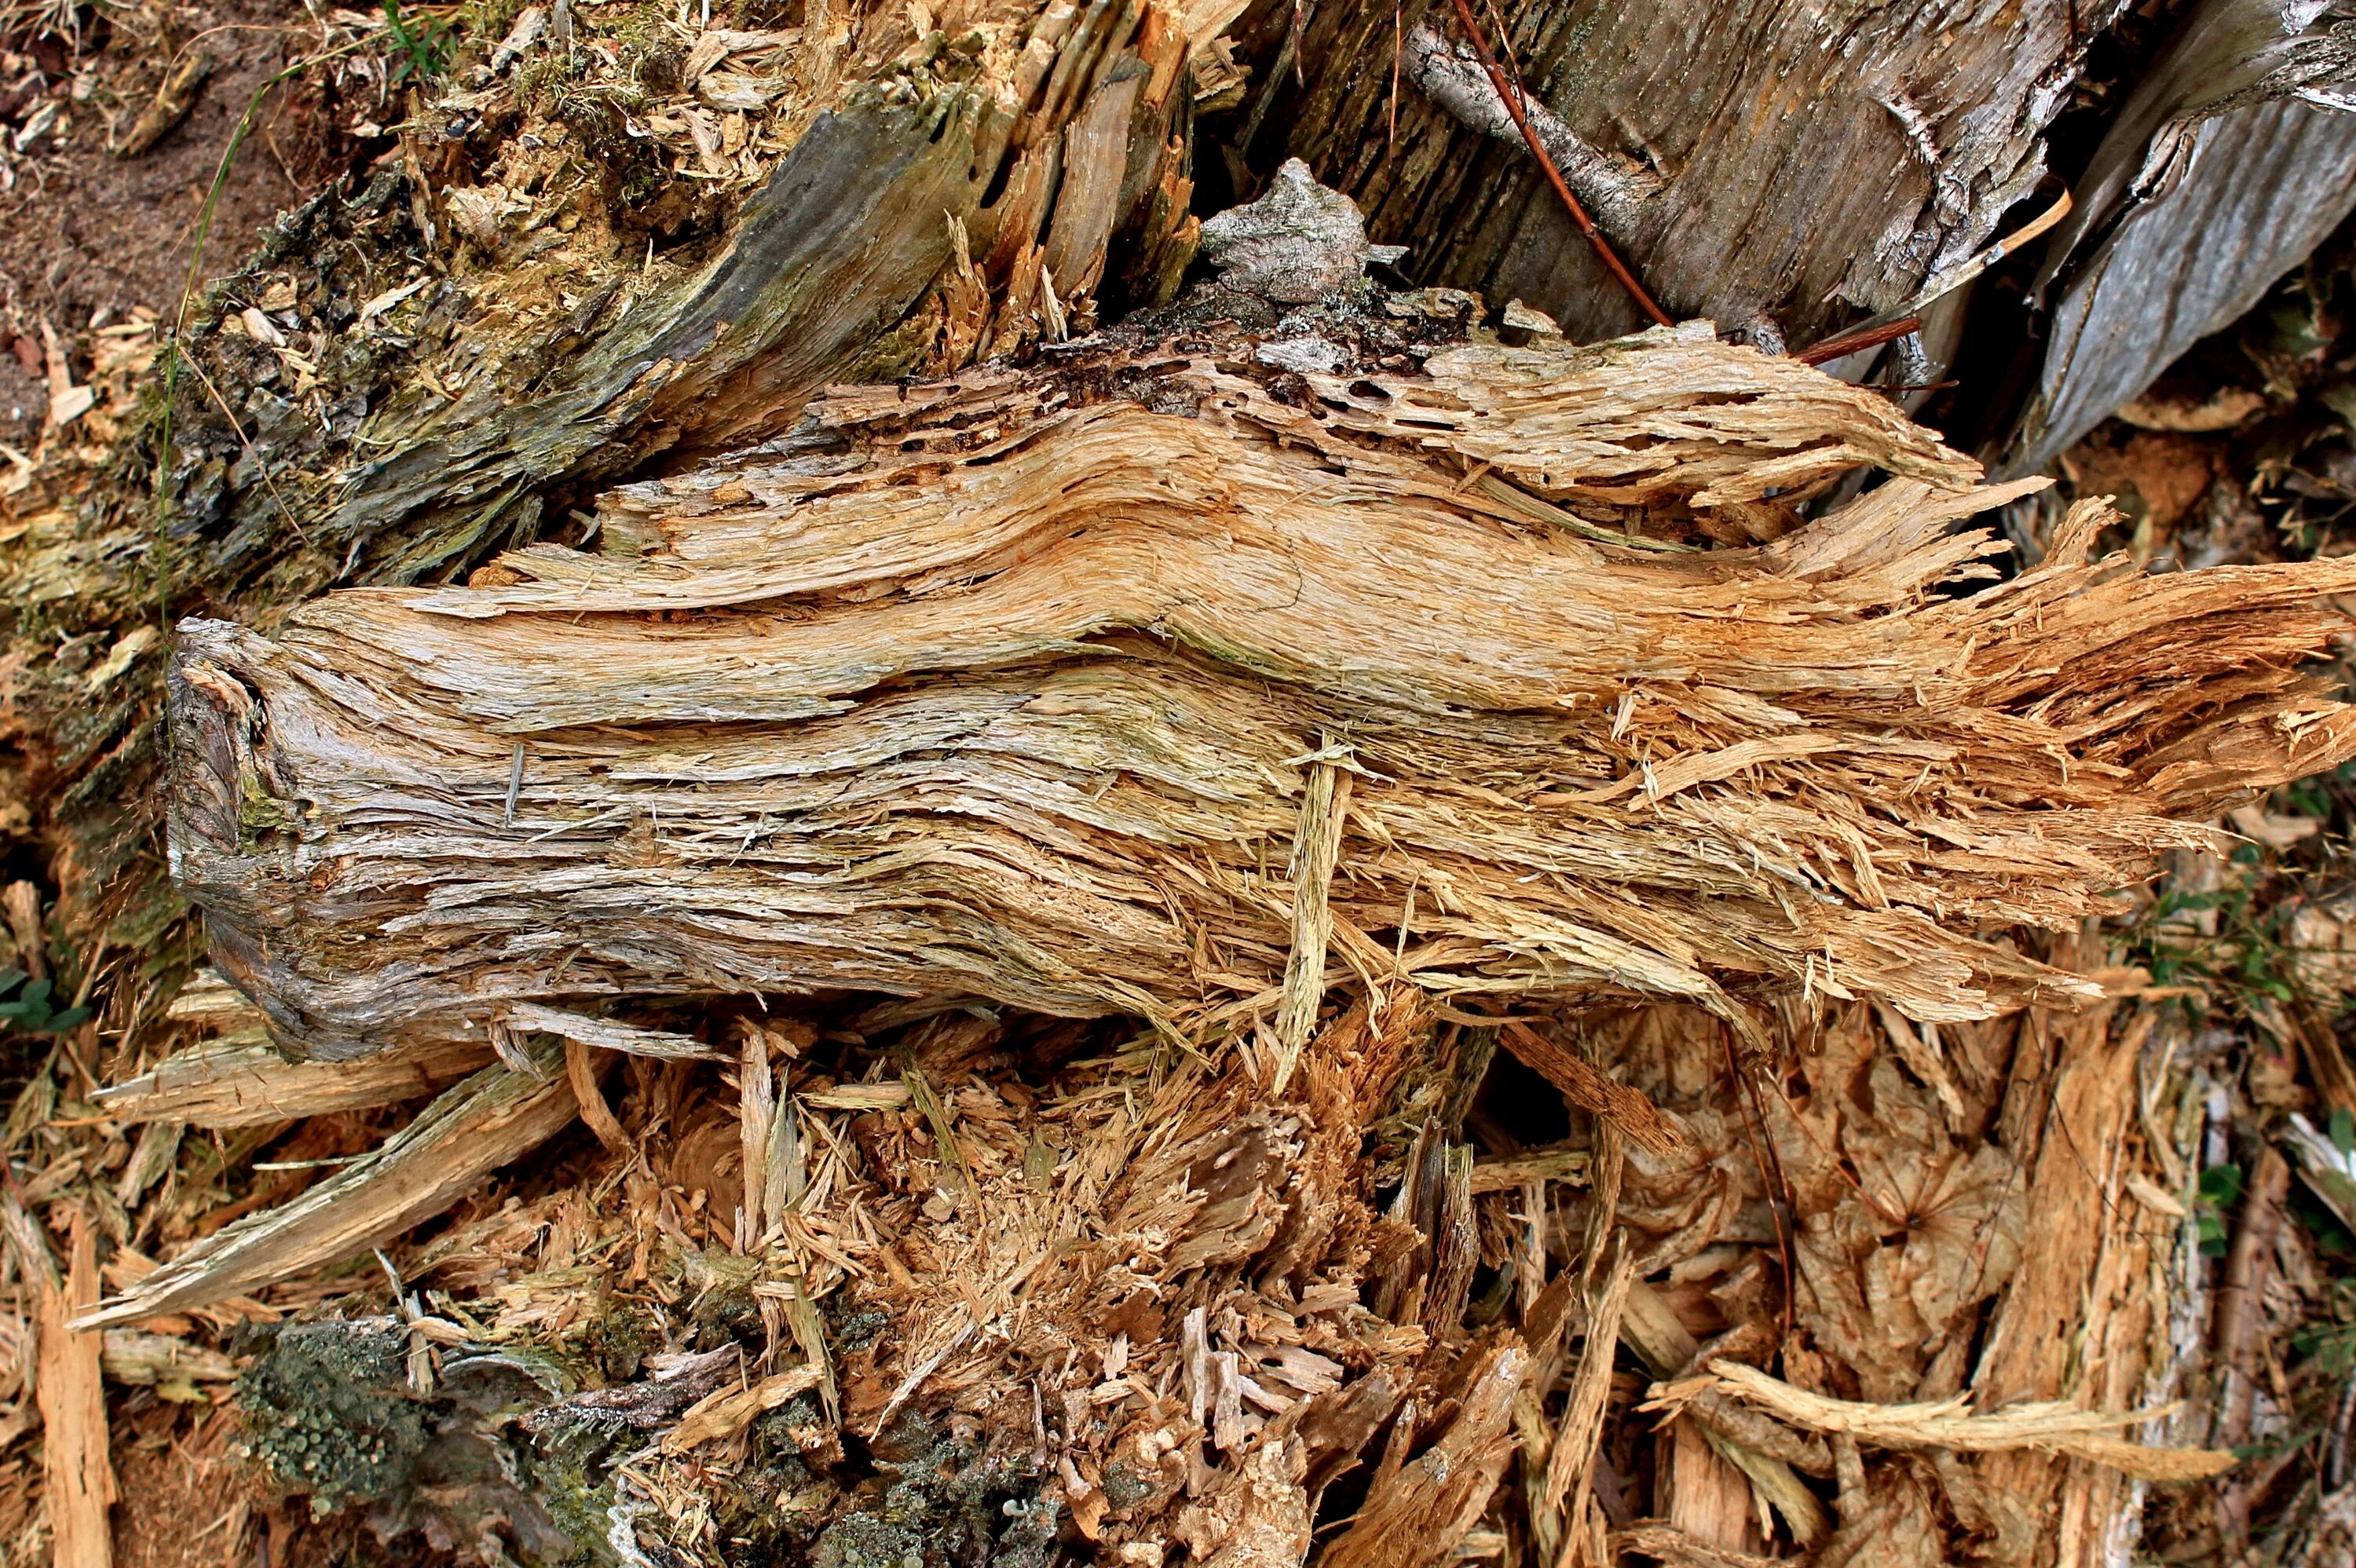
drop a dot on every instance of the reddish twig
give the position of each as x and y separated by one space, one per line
1511 98
1842 344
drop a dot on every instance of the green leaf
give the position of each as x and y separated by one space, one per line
2221 1185
59 1022
2343 1130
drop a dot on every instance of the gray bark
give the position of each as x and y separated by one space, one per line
1814 161
2264 186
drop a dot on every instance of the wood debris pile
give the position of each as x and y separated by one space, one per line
1282 929
997 1287
1268 1133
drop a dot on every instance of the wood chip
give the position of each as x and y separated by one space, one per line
730 1410
1591 1092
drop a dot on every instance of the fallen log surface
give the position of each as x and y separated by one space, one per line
1008 687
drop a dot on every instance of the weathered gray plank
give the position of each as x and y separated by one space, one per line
2265 186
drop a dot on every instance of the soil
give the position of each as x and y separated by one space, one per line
87 237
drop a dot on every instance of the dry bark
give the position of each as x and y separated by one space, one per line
2261 187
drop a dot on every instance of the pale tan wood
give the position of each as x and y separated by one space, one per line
471 1130
76 1469
240 1080
1010 696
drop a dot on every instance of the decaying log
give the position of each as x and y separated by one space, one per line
1006 687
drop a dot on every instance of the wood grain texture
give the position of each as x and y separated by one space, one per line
2265 184
77 1467
1815 161
1004 686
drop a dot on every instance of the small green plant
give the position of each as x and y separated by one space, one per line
33 1010
2329 1338
423 44
2247 957
2220 1190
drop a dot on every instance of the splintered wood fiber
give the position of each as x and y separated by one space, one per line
1011 685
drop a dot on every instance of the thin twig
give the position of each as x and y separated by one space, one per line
1908 318
1777 1187
1511 100
1843 343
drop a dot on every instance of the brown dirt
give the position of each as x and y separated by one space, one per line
84 231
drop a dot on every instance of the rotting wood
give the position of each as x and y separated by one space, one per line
1121 620
1591 1090
175 96
1246 1196
1571 1457
826 275
1430 1502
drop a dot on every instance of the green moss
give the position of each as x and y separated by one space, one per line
849 1332
615 1343
259 813
870 1541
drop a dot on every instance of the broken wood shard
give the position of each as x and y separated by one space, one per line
78 1468
2045 1425
999 686
470 1131
241 1081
